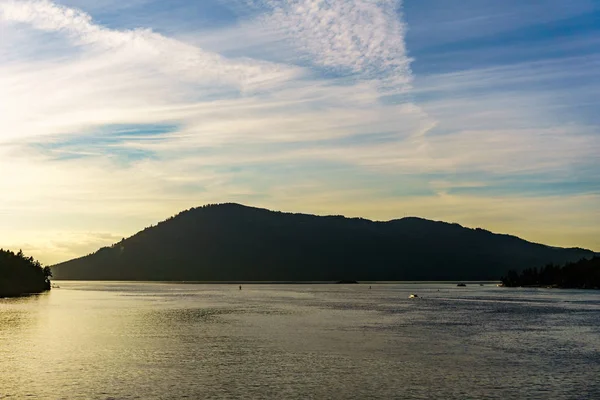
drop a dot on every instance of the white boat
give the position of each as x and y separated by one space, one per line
413 296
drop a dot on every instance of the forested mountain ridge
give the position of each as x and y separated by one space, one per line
227 242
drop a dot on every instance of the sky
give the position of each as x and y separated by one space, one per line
115 115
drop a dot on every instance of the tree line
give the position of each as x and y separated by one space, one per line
583 274
20 274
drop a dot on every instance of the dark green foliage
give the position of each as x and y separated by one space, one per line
22 275
584 274
233 242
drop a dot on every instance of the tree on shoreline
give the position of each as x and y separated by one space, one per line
22 275
583 274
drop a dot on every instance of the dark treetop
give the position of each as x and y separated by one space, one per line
21 275
229 242
583 274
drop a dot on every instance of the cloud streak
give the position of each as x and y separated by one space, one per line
143 46
301 105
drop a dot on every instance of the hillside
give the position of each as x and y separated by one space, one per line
21 275
233 242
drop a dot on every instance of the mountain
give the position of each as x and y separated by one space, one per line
232 242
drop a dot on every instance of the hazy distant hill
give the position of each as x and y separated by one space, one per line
235 242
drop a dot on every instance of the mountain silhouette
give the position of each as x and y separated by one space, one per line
232 242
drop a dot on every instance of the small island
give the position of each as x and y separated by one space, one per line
20 275
583 274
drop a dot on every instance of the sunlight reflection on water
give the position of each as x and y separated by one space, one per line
99 340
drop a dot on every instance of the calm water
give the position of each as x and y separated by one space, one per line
162 341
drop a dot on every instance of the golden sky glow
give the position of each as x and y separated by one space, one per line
115 116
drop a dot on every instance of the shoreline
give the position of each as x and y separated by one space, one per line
552 287
232 282
24 294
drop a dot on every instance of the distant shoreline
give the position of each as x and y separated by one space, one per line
17 295
583 274
552 287
451 282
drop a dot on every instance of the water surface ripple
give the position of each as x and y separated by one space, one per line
121 340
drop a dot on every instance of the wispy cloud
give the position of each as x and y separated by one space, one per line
550 73
143 46
105 76
305 105
363 38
